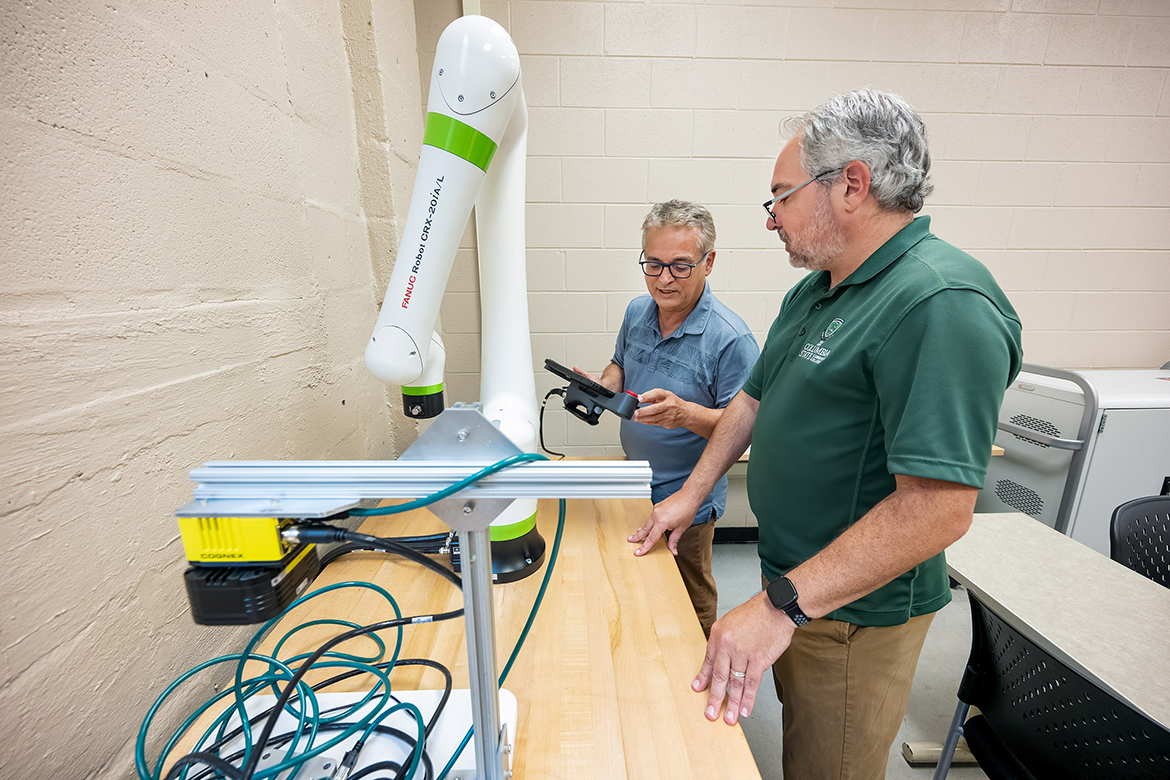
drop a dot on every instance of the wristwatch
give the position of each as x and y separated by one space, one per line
782 594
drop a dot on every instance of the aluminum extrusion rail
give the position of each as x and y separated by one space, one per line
352 480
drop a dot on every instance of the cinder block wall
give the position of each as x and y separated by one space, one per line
199 207
1049 124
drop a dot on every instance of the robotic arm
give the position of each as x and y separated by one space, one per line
245 534
473 153
474 149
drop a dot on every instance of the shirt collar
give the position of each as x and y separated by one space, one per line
887 253
696 321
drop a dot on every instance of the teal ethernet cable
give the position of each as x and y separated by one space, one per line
272 680
352 755
515 460
244 689
253 756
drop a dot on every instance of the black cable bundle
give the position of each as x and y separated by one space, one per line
555 391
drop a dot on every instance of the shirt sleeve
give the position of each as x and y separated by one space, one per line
754 385
619 349
940 380
735 364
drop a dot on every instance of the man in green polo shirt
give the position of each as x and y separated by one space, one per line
871 414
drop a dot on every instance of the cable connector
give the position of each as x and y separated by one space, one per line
313 534
350 760
451 540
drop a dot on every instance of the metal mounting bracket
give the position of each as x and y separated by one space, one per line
460 442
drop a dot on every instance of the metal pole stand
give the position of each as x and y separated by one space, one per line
462 433
460 442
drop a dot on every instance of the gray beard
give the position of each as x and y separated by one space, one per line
824 243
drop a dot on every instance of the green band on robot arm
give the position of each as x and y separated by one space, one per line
459 139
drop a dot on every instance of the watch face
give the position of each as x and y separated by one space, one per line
781 592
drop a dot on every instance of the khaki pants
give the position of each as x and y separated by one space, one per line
844 688
694 564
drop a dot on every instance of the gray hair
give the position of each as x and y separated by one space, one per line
681 213
878 128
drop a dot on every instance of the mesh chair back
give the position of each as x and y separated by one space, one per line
1055 722
1139 537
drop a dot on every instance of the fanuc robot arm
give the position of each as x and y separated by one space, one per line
473 153
250 520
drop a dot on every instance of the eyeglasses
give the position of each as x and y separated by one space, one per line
678 270
783 196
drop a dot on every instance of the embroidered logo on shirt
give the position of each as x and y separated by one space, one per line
816 353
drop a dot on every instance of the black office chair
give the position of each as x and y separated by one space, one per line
1139 537
1039 719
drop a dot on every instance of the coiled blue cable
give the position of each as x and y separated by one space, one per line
246 688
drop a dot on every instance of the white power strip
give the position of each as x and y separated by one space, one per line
442 742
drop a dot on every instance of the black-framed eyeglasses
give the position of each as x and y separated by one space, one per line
783 196
678 270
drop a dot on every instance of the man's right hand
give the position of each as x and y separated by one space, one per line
675 514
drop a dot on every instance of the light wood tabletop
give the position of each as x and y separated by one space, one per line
603 681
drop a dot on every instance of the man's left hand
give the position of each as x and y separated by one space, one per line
665 409
747 639
674 515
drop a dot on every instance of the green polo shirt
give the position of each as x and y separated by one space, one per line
899 369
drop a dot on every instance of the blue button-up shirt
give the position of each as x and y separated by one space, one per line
705 361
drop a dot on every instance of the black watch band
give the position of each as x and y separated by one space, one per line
782 593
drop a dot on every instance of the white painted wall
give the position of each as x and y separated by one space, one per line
1049 125
198 212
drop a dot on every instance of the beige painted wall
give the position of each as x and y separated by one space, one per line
200 204
1049 124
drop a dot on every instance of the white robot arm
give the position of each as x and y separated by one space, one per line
474 149
473 153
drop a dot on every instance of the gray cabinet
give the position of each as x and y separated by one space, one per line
1078 444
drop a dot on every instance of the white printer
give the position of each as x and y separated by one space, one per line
1077 444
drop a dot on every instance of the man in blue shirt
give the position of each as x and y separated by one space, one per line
686 355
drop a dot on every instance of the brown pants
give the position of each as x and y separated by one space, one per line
844 688
694 564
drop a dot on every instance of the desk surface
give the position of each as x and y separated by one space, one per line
1103 620
603 681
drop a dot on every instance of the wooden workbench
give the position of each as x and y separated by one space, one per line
603 681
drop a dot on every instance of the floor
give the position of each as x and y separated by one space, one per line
932 698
